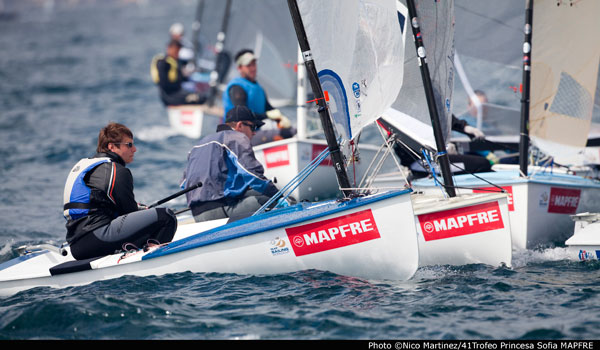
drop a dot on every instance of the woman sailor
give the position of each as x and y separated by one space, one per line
102 214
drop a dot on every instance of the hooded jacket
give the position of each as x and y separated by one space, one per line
225 164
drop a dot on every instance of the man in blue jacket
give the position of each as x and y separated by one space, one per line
233 181
246 91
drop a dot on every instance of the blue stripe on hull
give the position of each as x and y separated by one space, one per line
269 221
20 259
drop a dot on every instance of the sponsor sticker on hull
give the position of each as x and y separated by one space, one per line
277 156
589 255
278 247
333 233
509 192
461 221
316 150
563 200
187 117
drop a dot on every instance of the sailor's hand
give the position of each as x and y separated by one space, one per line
291 200
492 158
451 148
142 206
283 122
192 98
476 133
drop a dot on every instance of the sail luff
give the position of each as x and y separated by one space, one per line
323 109
431 103
221 36
301 117
196 25
524 137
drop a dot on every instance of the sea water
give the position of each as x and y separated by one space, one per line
68 68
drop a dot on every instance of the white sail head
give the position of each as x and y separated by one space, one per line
436 24
358 50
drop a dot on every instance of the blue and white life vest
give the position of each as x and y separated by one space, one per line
255 96
76 198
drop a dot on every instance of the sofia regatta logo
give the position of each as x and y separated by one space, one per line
461 221
333 233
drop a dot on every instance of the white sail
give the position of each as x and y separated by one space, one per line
273 41
358 51
564 72
488 60
436 23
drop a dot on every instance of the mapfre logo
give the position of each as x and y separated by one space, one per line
333 233
187 117
316 150
461 221
563 200
276 156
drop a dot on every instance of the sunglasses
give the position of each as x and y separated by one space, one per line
253 127
128 144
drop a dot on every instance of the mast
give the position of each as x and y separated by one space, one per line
334 149
214 75
301 119
196 25
431 104
524 138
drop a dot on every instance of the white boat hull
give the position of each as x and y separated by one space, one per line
194 121
585 242
371 237
283 160
467 229
539 207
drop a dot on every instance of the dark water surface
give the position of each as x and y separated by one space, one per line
67 68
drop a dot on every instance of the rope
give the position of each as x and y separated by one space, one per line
295 182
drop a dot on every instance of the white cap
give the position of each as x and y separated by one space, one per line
186 54
245 59
176 29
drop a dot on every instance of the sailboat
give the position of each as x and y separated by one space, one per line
281 73
419 120
556 111
211 62
585 242
369 236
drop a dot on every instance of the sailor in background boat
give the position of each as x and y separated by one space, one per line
233 181
475 107
99 205
462 163
465 124
471 163
246 91
186 53
167 75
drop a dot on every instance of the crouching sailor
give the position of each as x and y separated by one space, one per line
233 181
102 214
